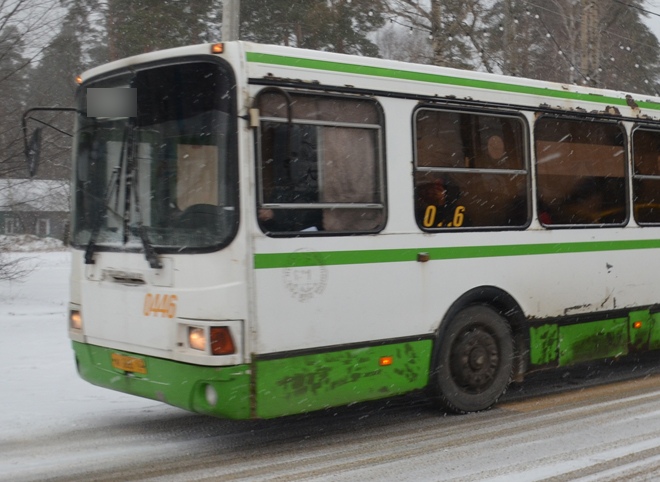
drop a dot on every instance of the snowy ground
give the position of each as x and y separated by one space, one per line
40 392
54 426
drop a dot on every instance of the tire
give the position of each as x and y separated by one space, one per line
474 360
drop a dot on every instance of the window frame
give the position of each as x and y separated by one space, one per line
45 224
379 161
525 153
590 120
633 173
232 163
12 225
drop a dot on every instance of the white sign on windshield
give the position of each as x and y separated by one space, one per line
118 102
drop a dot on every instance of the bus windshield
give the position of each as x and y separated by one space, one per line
165 179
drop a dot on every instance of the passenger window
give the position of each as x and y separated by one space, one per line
581 172
320 165
470 170
646 177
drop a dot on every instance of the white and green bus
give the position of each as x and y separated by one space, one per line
274 231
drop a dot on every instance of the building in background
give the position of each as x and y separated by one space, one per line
38 207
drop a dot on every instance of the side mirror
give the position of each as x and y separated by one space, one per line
33 146
33 151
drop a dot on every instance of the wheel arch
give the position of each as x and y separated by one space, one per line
507 306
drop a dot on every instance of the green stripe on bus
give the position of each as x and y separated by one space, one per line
330 258
436 79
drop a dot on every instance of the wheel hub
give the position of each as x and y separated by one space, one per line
475 360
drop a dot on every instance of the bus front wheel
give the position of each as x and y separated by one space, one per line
474 360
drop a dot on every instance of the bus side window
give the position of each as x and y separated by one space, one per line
646 176
319 171
478 161
581 172
292 176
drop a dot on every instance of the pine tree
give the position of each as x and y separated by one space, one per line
333 25
600 43
14 67
138 26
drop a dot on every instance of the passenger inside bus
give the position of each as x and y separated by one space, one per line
436 202
290 220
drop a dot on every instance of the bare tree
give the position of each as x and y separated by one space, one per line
454 29
600 43
400 43
25 29
12 268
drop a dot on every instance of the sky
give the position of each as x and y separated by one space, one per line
653 20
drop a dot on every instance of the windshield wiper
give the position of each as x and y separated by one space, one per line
116 180
149 251
129 190
132 189
91 244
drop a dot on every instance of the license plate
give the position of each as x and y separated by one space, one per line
129 363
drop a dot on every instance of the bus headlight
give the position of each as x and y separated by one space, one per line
75 320
197 338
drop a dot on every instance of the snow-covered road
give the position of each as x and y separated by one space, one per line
53 426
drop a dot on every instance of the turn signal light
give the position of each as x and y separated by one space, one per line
221 341
385 361
217 48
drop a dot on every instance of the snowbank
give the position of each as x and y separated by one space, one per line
30 243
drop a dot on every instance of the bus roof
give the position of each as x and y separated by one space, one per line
381 75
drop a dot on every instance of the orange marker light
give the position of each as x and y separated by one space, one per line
385 361
221 341
637 325
78 79
217 48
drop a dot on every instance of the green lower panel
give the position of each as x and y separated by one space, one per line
283 386
560 345
179 384
640 327
591 341
543 344
311 382
654 337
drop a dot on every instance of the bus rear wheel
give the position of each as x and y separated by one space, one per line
474 360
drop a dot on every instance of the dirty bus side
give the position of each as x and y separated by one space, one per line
277 231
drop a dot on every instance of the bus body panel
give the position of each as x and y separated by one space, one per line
323 321
128 306
179 384
531 266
